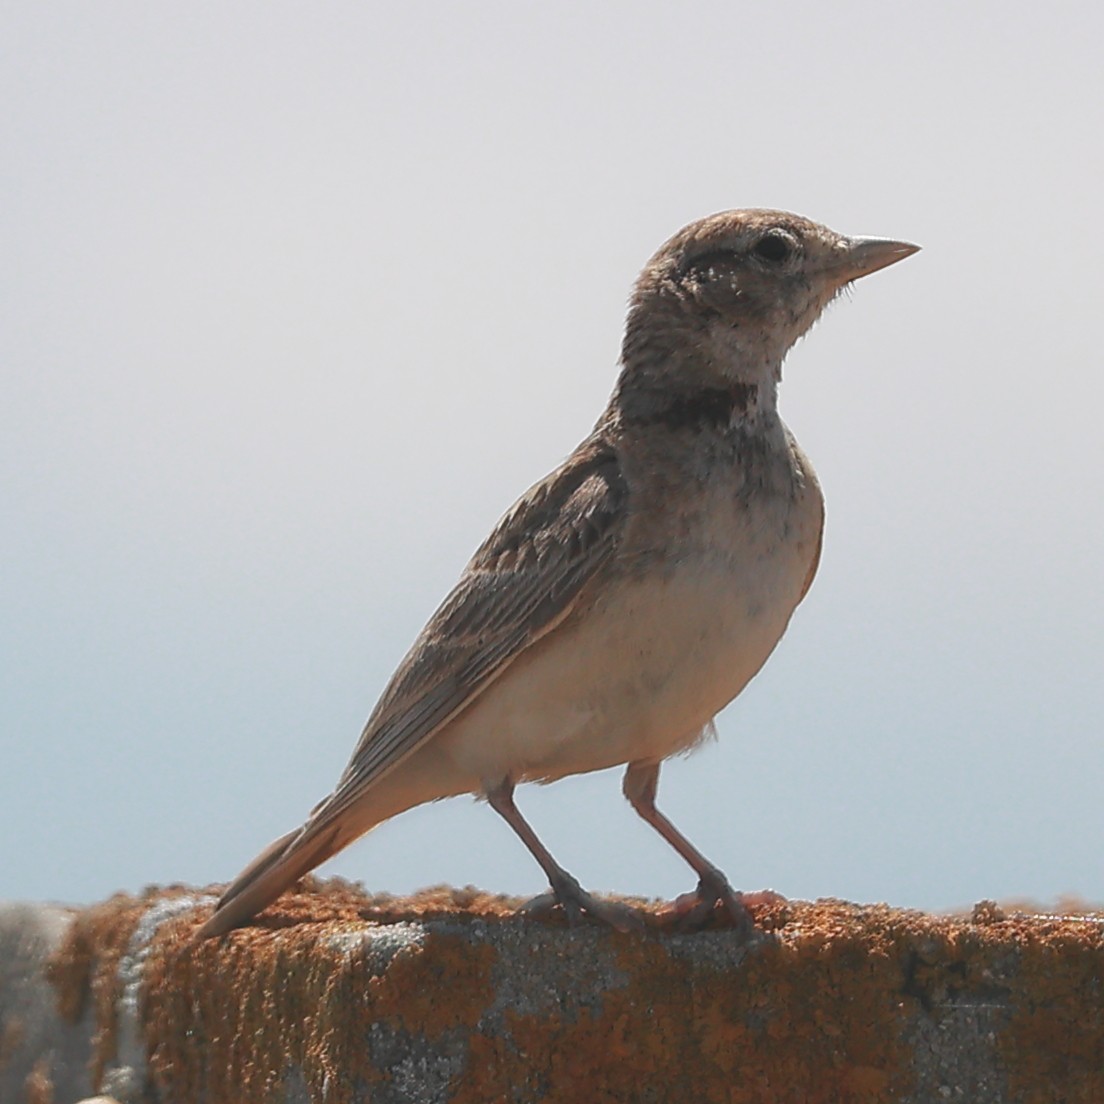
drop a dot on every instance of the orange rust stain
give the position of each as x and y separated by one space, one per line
38 1086
302 996
1055 1035
432 991
85 967
808 1019
814 1014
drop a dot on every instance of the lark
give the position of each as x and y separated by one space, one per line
628 597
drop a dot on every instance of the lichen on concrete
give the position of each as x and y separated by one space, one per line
452 996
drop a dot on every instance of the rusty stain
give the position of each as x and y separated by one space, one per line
814 1013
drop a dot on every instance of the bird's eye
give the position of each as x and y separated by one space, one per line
774 247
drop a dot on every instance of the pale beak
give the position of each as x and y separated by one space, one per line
862 256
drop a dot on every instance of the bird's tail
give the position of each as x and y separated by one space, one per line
277 867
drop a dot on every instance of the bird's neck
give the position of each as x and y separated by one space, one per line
706 388
695 404
678 372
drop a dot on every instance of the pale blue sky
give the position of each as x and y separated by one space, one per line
297 299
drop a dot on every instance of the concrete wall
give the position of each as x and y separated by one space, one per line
449 996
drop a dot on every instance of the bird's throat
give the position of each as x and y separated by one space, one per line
690 408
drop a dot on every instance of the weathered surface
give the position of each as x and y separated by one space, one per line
40 1052
451 997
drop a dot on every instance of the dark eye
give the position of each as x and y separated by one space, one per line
774 247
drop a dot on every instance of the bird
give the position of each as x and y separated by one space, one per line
630 595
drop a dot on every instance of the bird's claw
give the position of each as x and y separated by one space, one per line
577 905
693 911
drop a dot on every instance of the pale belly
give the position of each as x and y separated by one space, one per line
645 670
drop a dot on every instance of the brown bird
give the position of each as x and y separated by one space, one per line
629 596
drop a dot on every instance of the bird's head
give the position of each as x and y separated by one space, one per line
734 291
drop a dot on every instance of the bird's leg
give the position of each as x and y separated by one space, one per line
639 786
566 891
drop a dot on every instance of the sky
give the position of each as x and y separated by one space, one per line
297 299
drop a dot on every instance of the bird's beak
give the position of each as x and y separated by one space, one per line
862 256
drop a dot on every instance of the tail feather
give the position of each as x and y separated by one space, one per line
279 866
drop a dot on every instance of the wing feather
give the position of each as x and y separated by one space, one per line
521 583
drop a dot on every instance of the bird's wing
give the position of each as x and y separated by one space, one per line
520 584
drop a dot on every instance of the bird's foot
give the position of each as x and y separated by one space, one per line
694 911
576 905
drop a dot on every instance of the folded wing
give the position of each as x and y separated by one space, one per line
521 583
